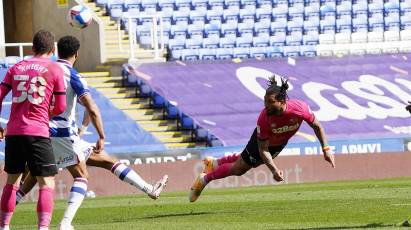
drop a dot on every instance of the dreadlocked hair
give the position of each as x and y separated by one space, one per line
275 87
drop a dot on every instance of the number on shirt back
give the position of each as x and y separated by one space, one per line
37 85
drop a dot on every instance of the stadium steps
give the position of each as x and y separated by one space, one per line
139 110
113 53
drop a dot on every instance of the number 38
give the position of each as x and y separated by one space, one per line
37 85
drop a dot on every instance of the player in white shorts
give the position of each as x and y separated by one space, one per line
71 151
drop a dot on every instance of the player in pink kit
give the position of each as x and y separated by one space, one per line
34 83
278 122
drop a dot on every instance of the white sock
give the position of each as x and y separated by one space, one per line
130 176
76 197
19 196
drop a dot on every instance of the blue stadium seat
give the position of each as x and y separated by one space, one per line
327 24
262 26
189 54
197 15
264 11
144 90
291 51
392 21
184 3
200 134
241 52
116 11
197 27
157 101
177 43
213 28
311 25
145 40
360 8
150 9
274 51
149 3
110 3
162 3
376 21
176 54
279 25
229 3
343 24
101 3
132 10
360 23
167 11
258 52
312 8
144 28
211 41
311 38
224 53
194 43
277 39
296 10
231 13
227 42
296 24
280 10
216 2
261 40
405 7
171 111
248 12
229 27
294 39
185 122
391 7
216 13
344 8
180 28
406 21
245 41
308 51
376 7
246 27
196 3
207 54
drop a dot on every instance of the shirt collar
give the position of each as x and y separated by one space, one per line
65 62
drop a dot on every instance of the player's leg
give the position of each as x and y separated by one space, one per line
211 163
250 158
127 174
15 160
77 193
41 163
26 185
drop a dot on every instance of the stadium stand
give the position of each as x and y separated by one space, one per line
296 28
231 94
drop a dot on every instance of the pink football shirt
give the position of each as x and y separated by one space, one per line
279 129
33 83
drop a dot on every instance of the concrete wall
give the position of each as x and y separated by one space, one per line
18 24
47 15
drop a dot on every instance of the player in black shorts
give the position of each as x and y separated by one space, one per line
34 83
278 122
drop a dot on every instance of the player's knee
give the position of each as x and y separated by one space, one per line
238 172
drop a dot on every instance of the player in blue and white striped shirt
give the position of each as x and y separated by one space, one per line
71 151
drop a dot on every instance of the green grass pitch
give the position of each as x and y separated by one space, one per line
378 204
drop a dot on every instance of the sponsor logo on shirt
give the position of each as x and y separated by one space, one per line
286 128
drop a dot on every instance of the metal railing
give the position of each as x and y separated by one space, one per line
156 34
23 44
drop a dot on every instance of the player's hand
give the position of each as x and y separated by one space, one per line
328 156
408 107
99 146
278 175
2 133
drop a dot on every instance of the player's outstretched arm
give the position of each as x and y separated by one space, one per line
95 118
319 132
268 160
